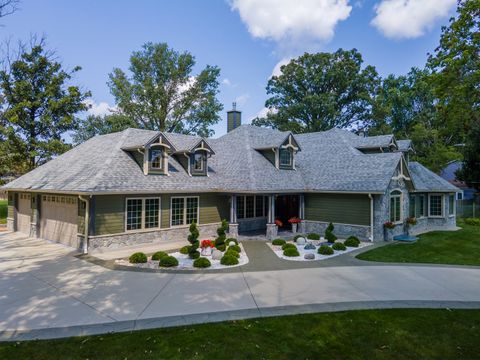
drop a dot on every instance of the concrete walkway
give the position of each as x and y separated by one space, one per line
45 292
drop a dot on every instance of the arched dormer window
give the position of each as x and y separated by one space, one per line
286 158
396 206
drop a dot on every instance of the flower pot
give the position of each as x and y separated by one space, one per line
294 228
206 251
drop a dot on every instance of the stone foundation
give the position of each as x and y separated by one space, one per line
148 237
233 231
246 225
341 230
10 224
272 231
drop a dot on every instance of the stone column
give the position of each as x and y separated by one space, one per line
233 225
272 229
301 215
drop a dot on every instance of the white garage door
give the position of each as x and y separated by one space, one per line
58 219
24 213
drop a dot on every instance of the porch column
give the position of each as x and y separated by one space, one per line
233 226
301 214
272 230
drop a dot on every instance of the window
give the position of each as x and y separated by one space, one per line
198 162
240 207
451 204
286 157
156 158
412 209
395 206
421 208
259 206
142 213
251 206
435 205
184 210
460 195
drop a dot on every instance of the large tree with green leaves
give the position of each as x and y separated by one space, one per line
162 93
94 125
38 108
470 171
316 92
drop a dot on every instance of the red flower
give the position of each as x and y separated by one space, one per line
278 223
207 243
294 220
389 225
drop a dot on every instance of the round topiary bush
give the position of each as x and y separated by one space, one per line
279 242
232 253
229 260
221 247
289 246
313 236
325 250
229 240
339 246
297 236
158 255
235 248
352 241
184 250
168 261
194 255
291 252
138 258
202 263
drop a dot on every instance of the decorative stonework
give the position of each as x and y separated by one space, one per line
272 231
301 227
233 230
341 230
10 224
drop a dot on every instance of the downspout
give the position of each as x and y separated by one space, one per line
371 217
87 223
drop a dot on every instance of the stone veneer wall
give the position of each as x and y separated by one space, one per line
252 224
146 237
341 230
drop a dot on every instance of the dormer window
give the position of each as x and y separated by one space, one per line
156 159
198 163
286 158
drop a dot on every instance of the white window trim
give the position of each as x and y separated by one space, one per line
184 210
161 159
201 170
400 196
142 219
425 211
454 205
442 216
290 163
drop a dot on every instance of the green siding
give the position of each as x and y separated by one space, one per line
109 214
213 208
338 208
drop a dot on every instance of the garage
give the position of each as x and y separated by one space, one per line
58 219
24 213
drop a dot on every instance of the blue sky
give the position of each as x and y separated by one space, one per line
245 38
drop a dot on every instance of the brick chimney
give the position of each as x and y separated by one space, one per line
234 118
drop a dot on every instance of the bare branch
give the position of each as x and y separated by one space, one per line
8 7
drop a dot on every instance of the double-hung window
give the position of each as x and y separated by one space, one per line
156 159
421 207
435 205
184 210
396 206
142 213
451 204
286 158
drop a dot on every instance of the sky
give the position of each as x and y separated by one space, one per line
247 39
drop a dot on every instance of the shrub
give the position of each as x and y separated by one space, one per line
330 227
291 252
229 260
232 253
330 236
168 261
158 255
184 250
138 258
193 240
352 241
472 221
202 263
221 232
297 236
221 247
339 246
325 250
279 242
288 246
229 240
235 248
194 255
313 236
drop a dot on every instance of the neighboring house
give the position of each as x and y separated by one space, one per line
448 173
139 186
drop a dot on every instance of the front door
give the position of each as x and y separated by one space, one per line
286 207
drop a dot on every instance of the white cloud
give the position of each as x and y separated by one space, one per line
226 82
276 69
241 100
409 18
99 109
291 20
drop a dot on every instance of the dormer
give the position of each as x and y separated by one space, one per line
377 144
193 154
282 154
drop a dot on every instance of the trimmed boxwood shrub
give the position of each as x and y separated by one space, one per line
339 246
330 236
313 236
158 255
138 258
288 246
229 260
184 250
168 261
291 252
297 236
229 240
330 227
201 263
221 247
232 253
325 250
352 241
279 242
194 255
235 248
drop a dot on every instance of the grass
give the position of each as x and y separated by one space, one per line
370 334
3 211
460 247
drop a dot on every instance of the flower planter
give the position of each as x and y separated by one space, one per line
387 234
294 228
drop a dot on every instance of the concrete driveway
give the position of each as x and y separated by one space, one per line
47 292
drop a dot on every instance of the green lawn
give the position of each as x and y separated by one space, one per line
460 247
3 211
371 334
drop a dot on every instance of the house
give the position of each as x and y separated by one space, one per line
139 186
448 173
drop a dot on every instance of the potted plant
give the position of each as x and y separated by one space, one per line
206 246
410 221
386 227
294 221
279 223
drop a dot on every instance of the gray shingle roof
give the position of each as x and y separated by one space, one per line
329 161
404 145
373 141
426 180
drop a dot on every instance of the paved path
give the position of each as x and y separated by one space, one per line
45 292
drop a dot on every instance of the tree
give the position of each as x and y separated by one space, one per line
317 92
470 171
163 94
38 107
8 7
94 125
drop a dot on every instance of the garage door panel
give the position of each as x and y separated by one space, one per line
24 214
59 220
